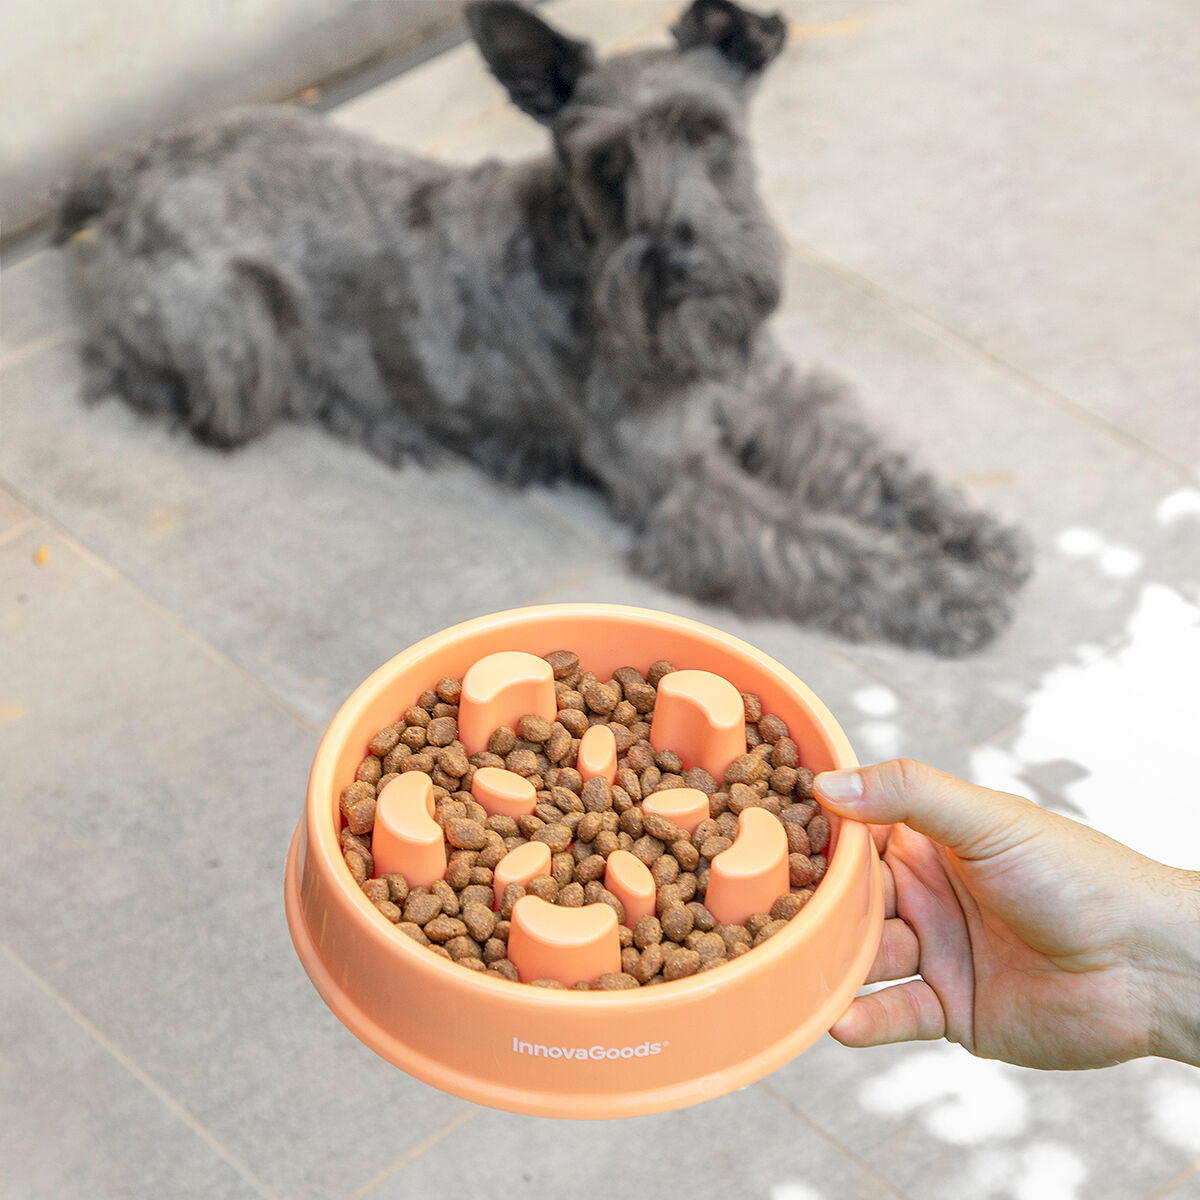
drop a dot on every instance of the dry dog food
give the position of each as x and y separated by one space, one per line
582 823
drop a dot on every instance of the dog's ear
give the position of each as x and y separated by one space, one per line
538 65
746 39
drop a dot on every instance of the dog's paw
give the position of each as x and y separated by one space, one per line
1003 552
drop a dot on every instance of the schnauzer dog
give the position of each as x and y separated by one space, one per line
598 313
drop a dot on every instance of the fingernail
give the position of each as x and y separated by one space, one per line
840 785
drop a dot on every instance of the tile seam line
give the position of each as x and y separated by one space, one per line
956 338
173 618
861 1164
1176 1185
146 1080
412 1155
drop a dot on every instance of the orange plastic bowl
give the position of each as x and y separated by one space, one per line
566 1053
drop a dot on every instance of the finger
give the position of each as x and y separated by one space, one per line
889 890
899 953
908 1012
974 822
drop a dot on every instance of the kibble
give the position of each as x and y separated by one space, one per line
582 823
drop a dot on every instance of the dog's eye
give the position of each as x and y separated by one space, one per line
702 129
609 168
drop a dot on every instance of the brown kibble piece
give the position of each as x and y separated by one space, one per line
506 968
502 741
442 928
452 761
447 895
648 849
414 931
597 794
707 945
573 720
788 905
647 932
511 894
601 698
477 893
369 770
397 887
681 965
732 934
375 890
702 919
557 837
522 762
441 731
797 838
755 922
589 826
818 833
714 846
465 834
772 728
422 907
591 869
562 662
615 981
770 929
571 896
552 984
649 963
357 866
677 922
544 887
558 744
384 741
660 827
665 870
533 728
479 920
389 910
657 670
804 783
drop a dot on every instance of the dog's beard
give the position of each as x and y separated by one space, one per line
675 328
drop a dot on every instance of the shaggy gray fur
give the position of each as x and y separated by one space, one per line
596 313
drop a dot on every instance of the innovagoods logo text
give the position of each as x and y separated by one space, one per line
645 1050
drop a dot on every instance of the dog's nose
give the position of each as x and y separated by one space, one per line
665 267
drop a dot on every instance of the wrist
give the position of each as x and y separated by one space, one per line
1172 968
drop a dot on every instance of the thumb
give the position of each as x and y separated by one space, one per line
974 822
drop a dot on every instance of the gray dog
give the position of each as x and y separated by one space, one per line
597 313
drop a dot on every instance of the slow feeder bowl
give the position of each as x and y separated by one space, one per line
567 1053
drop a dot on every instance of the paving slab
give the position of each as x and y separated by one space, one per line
744 1144
1021 175
1106 518
124 1138
152 793
934 1121
304 559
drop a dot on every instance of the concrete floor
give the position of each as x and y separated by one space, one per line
991 221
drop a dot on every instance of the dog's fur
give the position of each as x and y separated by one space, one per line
596 313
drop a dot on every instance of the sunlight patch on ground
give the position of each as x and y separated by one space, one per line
793 1191
1128 720
959 1099
1175 1112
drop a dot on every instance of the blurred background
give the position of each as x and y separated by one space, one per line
990 216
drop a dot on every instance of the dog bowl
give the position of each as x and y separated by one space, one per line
565 1053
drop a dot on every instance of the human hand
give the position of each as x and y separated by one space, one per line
1038 940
